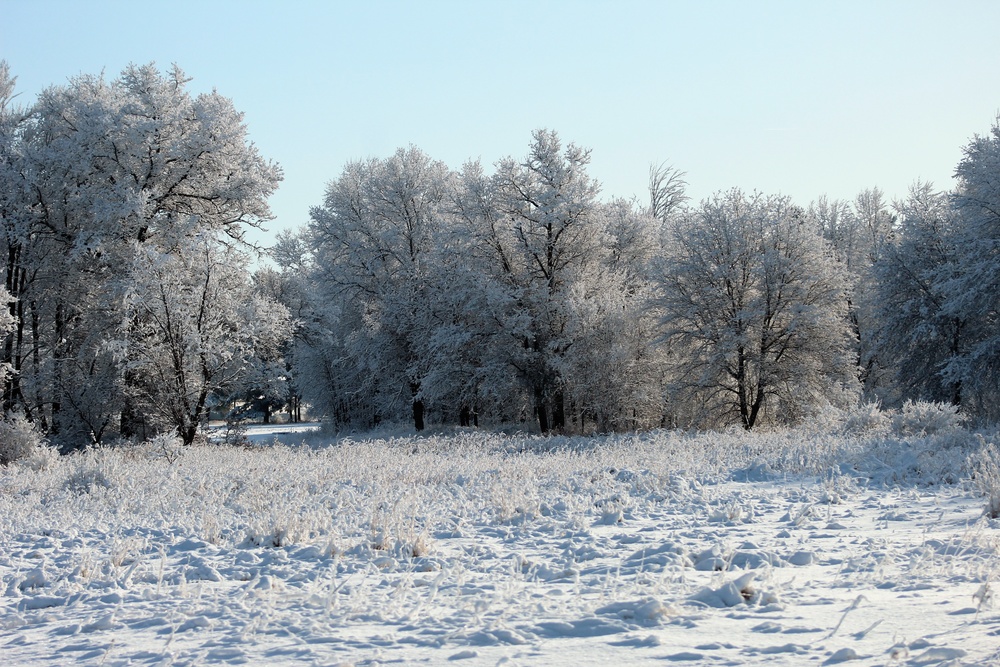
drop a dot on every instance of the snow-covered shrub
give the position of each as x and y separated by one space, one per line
986 472
235 433
285 525
21 441
865 419
924 418
167 446
86 479
42 457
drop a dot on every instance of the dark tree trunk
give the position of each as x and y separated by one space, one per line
418 407
188 433
558 412
742 389
541 411
127 422
13 347
956 342
464 416
418 414
755 408
58 355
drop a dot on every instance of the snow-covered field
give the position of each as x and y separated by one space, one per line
718 549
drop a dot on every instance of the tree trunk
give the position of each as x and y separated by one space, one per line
558 412
418 407
464 416
541 411
741 389
57 357
755 408
956 339
188 432
418 414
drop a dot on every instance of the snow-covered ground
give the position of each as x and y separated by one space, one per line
786 549
267 433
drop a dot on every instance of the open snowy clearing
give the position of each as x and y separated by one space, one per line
785 549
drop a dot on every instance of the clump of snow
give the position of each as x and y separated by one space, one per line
740 590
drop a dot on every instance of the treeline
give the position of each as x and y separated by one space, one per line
510 294
520 295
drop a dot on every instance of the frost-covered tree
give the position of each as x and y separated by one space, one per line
858 231
273 385
512 295
915 336
874 222
754 313
470 351
556 234
96 168
374 241
323 376
667 191
614 373
973 293
840 227
192 326
11 120
545 317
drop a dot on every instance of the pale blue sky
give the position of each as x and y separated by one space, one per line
802 98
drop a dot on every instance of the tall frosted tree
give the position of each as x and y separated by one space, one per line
514 295
193 327
916 336
100 168
973 293
374 241
550 204
614 373
548 318
667 191
754 314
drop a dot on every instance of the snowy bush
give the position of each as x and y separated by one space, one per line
235 433
986 473
865 419
167 446
923 418
21 441
86 479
